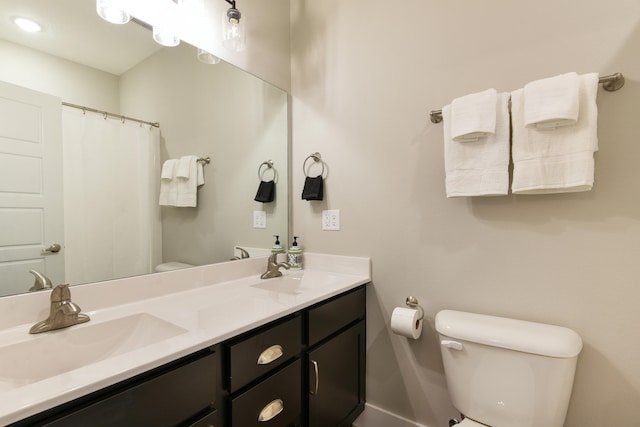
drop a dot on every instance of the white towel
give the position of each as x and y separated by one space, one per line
478 168
184 167
200 173
188 187
473 116
168 184
560 160
553 102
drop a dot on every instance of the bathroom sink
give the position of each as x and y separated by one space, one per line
285 284
52 353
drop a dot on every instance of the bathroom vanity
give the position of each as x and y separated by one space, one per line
292 355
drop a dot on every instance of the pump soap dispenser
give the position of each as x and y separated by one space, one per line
295 255
277 247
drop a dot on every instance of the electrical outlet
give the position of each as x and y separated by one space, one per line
259 219
331 220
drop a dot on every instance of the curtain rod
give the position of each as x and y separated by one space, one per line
108 114
610 83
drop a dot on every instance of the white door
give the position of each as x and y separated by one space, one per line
31 216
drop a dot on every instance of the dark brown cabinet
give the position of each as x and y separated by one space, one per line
306 369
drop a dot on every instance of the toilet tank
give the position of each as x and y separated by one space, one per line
505 372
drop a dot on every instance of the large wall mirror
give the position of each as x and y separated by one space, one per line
106 172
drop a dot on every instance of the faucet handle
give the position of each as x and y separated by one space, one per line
61 293
41 281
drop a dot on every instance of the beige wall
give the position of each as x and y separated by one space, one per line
364 76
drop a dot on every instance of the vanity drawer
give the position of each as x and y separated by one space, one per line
329 317
259 353
275 402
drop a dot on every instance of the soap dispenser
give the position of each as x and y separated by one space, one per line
277 247
295 255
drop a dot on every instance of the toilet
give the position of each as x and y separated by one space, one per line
170 266
507 373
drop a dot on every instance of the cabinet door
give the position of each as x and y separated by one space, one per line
336 379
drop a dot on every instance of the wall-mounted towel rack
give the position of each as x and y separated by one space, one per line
316 157
610 83
204 160
269 165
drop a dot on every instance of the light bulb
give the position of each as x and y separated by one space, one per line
27 25
164 37
207 58
233 31
109 12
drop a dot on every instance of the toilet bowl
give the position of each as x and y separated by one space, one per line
170 266
504 372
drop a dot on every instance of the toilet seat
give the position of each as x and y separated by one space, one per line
468 422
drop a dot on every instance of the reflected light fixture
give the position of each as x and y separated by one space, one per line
28 25
233 31
111 12
207 58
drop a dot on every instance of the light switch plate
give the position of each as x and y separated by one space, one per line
259 219
331 220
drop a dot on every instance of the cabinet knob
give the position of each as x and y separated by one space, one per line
271 410
269 355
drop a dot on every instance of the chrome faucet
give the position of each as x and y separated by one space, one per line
42 282
273 267
63 312
243 254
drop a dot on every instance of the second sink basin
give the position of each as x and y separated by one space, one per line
56 352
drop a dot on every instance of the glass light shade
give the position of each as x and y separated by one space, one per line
164 37
233 31
111 13
207 58
27 25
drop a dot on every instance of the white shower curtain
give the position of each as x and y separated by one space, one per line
111 213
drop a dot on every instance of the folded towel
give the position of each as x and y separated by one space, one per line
188 187
200 173
168 168
473 116
553 102
560 160
168 184
183 167
478 168
266 192
313 188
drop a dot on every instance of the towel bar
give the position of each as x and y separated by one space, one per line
610 83
204 160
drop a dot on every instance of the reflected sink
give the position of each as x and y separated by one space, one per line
56 352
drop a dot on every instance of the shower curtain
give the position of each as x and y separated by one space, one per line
112 223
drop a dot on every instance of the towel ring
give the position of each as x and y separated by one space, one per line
269 165
316 158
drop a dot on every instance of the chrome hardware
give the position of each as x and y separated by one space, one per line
63 312
412 302
270 411
273 267
317 379
42 282
269 355
454 421
316 157
243 254
55 248
454 345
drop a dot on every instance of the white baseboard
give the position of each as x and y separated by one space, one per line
378 417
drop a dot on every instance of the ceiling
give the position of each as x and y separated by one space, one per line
74 31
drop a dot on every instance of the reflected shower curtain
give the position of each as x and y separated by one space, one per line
111 213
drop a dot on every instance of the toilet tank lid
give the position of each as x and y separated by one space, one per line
512 334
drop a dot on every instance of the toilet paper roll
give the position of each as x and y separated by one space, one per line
406 322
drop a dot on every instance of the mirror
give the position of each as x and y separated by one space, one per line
216 111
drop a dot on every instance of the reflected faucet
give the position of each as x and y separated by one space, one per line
63 312
243 254
42 282
273 267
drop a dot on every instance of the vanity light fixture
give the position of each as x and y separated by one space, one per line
163 34
28 25
207 58
110 12
233 29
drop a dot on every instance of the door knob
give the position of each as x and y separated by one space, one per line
55 248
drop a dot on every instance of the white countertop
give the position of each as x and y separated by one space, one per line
220 302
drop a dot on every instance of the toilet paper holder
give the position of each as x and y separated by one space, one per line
412 302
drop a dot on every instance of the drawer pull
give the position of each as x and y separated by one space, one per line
316 373
271 410
270 354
